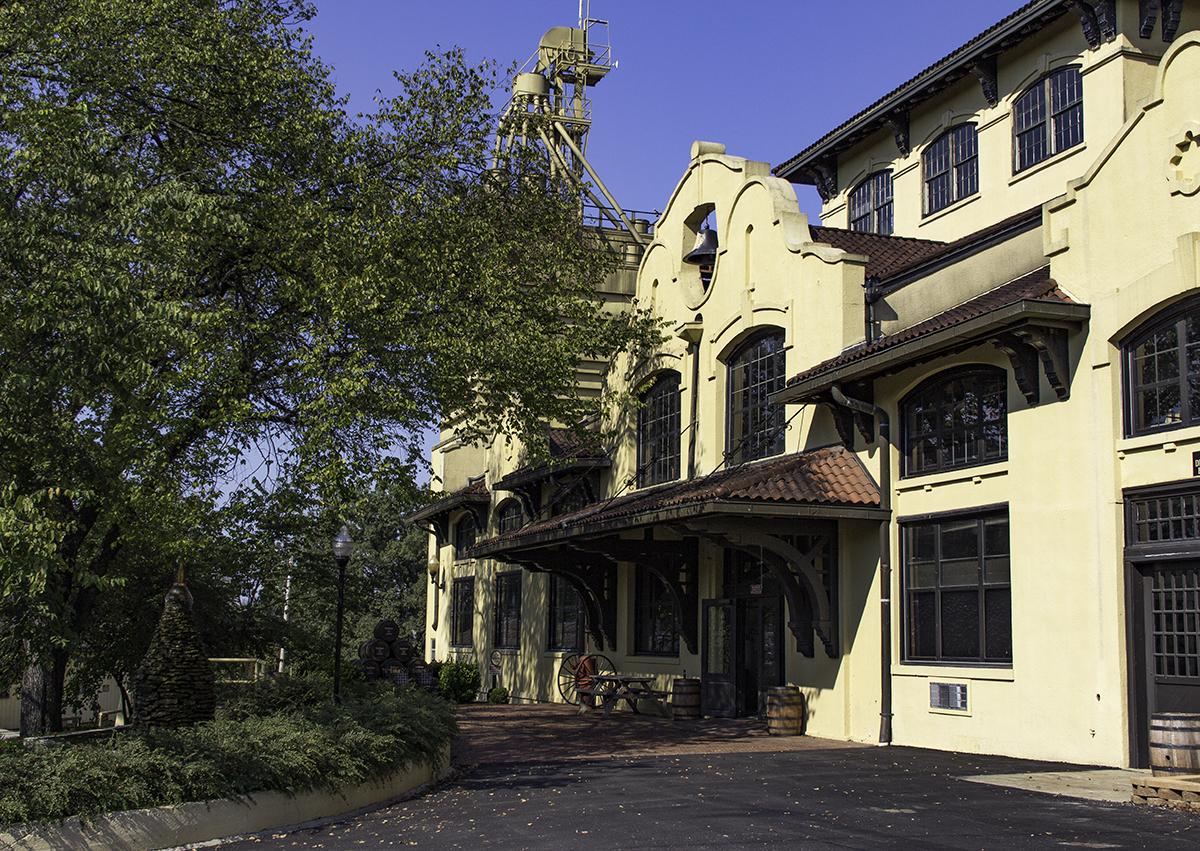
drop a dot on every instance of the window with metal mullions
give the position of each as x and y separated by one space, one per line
656 620
957 418
565 616
1048 118
462 612
658 432
756 370
508 610
958 598
465 534
871 204
1162 372
951 168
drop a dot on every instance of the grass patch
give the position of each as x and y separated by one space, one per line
281 735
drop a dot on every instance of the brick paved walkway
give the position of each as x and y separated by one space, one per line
546 732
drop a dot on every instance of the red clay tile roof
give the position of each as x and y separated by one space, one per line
475 491
936 77
827 476
1037 285
886 253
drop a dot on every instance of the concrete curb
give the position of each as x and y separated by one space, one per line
204 821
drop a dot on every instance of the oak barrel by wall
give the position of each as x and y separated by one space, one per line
785 711
375 649
403 650
685 698
387 631
1174 743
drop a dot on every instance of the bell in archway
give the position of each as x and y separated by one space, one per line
704 253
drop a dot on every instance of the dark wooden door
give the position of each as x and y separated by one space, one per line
759 651
718 659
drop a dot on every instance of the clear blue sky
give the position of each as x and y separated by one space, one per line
765 77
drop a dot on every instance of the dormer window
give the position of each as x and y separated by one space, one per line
1048 118
871 204
951 168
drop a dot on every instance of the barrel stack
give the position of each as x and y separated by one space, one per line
390 657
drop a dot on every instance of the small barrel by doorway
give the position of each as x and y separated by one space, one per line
785 711
685 699
1174 743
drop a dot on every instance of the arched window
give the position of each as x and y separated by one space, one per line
658 432
958 418
510 516
1048 118
464 535
951 168
756 370
871 204
1162 371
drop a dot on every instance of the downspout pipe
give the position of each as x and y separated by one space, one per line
885 564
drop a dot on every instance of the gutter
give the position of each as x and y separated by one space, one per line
885 565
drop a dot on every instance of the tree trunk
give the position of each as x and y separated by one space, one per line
35 688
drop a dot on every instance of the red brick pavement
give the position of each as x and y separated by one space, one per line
546 732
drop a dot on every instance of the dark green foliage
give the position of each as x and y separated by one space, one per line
459 681
498 695
309 744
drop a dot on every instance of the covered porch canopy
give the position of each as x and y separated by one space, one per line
783 510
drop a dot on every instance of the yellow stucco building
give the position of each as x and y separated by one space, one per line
936 462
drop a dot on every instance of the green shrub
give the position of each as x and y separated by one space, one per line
305 743
498 695
459 682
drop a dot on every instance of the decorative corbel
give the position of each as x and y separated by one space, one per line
1024 359
898 121
1054 351
1147 15
1087 17
1172 11
985 70
824 174
1106 16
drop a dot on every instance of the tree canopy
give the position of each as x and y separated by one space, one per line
204 258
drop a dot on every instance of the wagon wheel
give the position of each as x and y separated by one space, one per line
577 671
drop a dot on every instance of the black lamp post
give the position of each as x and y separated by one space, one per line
342 547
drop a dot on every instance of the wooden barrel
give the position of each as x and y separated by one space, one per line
419 671
375 650
370 668
403 650
387 631
685 698
1174 743
394 671
785 711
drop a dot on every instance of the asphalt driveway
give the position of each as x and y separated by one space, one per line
558 781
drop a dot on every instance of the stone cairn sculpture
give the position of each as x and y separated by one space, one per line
174 685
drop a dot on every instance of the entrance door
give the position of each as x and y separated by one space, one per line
759 652
1167 644
718 659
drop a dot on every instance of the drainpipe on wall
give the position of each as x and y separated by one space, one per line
885 566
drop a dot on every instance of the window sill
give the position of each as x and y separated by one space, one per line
1047 163
952 208
928 481
665 661
951 672
1166 441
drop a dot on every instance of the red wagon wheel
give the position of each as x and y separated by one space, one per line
577 672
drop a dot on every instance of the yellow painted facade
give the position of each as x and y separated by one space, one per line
1108 228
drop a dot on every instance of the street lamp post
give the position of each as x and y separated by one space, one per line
342 547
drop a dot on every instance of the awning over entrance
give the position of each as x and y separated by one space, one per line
783 511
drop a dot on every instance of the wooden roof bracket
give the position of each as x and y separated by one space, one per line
825 176
811 593
898 121
593 577
985 69
1029 345
1147 15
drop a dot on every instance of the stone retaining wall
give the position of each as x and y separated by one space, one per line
1180 792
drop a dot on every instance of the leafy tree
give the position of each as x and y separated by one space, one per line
203 257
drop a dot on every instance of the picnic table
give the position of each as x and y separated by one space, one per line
611 689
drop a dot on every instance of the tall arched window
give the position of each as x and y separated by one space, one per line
1048 118
1162 371
658 432
464 535
951 168
756 370
958 418
871 204
510 516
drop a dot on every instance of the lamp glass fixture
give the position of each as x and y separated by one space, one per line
343 546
